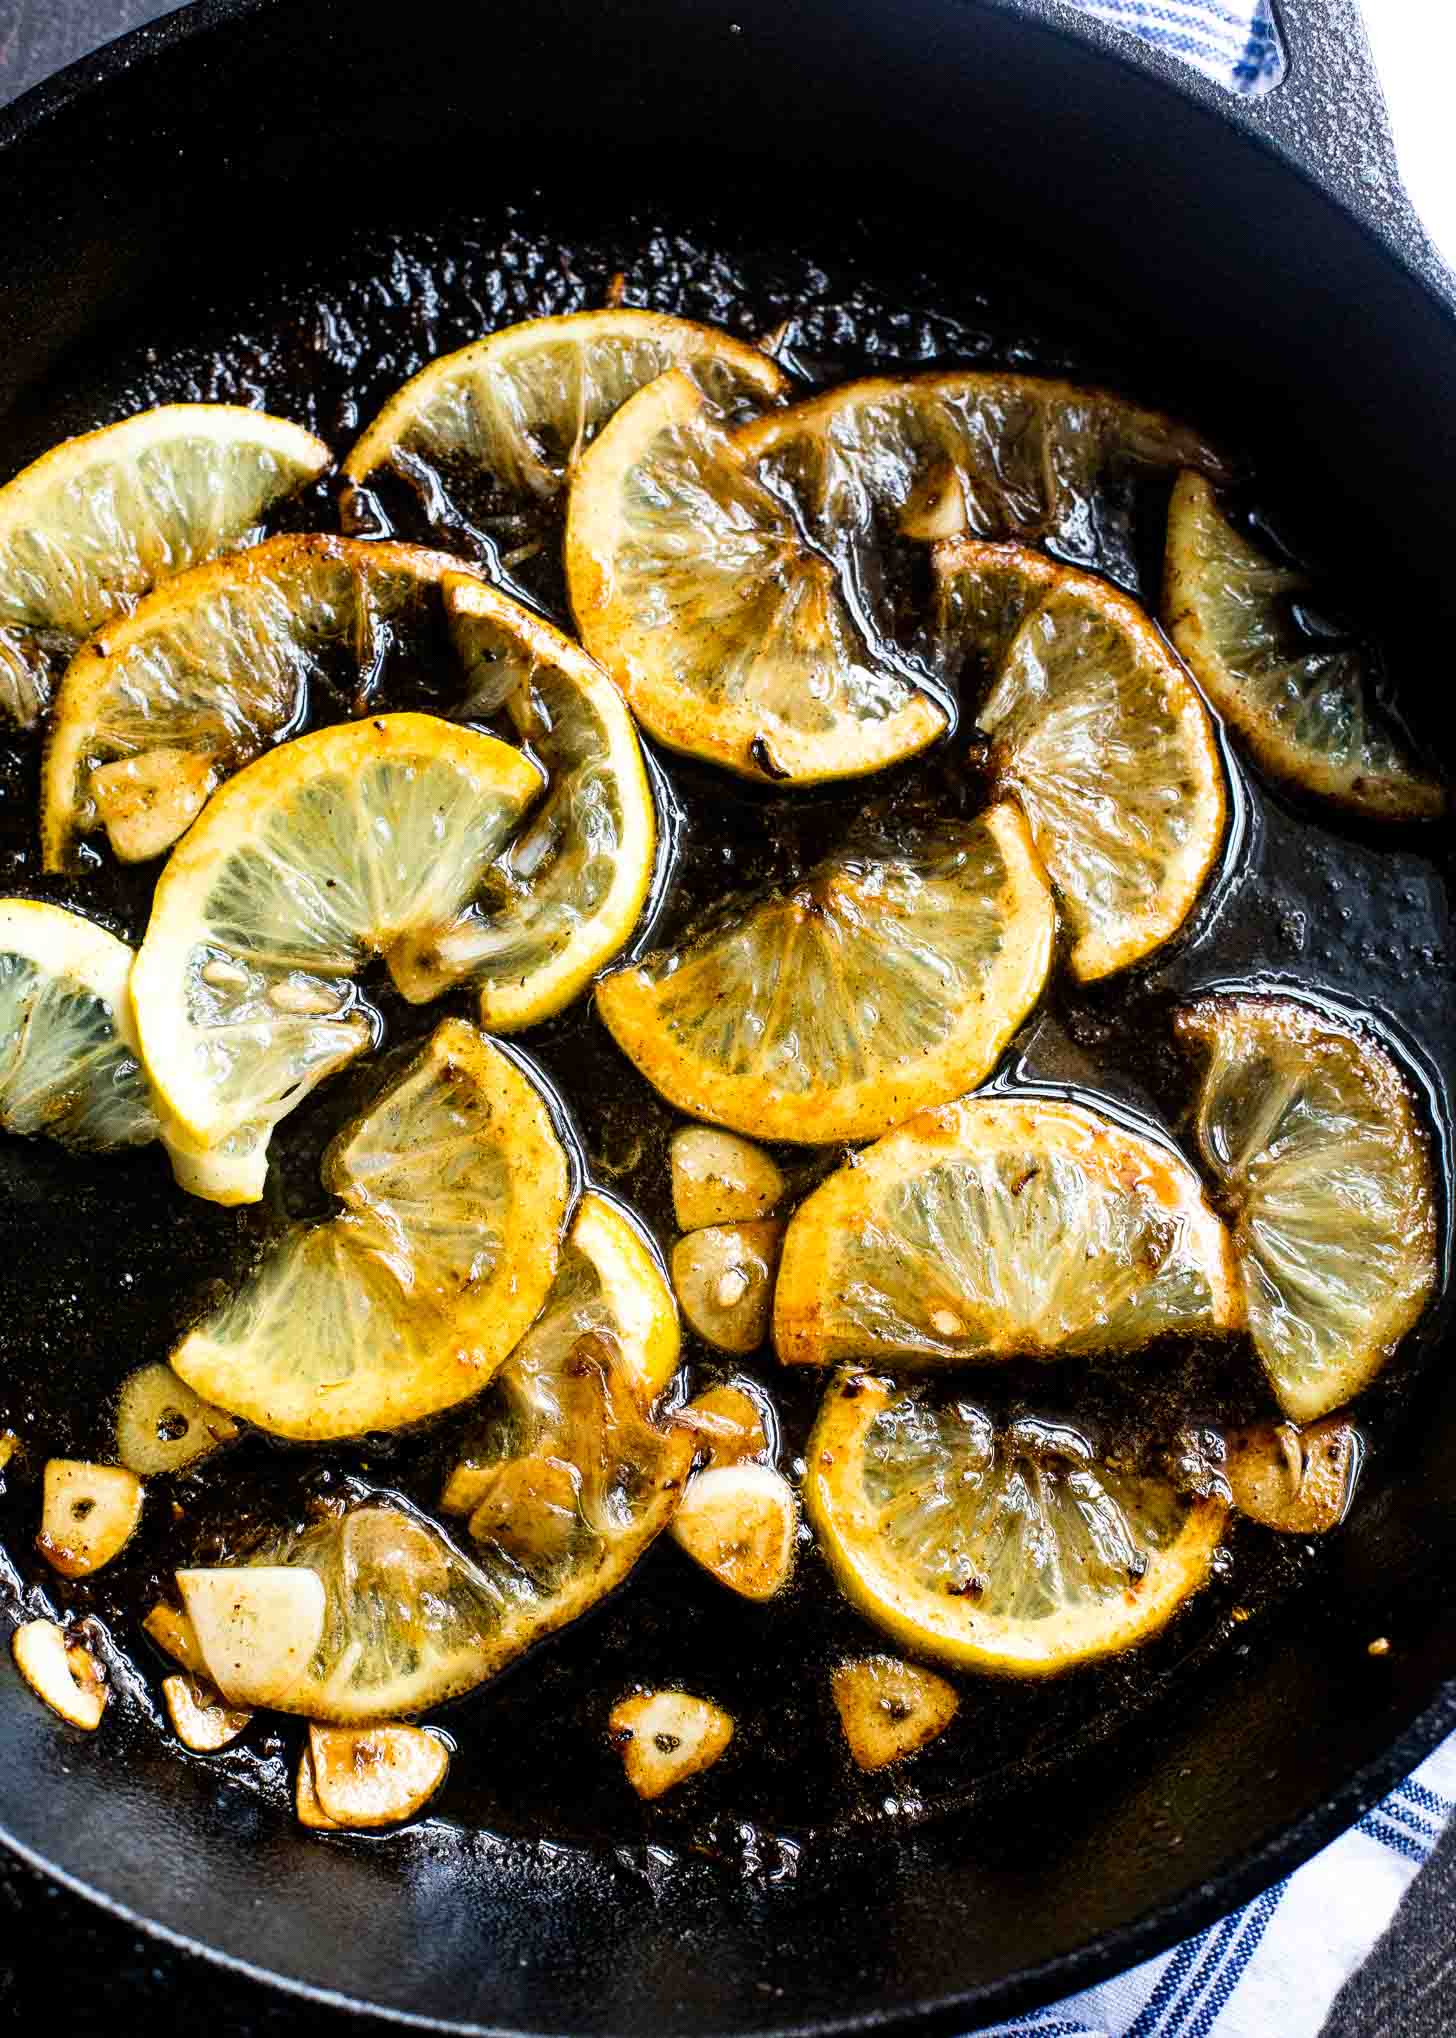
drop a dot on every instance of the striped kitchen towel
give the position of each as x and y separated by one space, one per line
1235 42
1273 1969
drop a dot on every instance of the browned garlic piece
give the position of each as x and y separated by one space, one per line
724 1281
740 1522
1298 1480
146 802
88 1514
62 1673
728 1422
162 1426
667 1736
890 1709
719 1178
172 1632
200 1719
374 1776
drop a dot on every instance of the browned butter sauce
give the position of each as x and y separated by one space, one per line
103 1262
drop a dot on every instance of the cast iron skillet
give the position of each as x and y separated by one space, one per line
1267 250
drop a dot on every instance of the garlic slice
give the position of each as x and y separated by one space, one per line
729 1423
723 1278
306 1807
88 1515
667 1736
162 1426
257 1626
720 1178
1300 1481
890 1709
740 1522
200 1719
375 1776
175 1635
64 1674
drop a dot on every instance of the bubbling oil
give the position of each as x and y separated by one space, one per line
106 1263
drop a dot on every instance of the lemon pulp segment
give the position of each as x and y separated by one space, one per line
212 667
566 894
733 639
511 414
367 839
1302 704
452 1190
69 1064
98 520
1010 1548
1100 735
891 978
1002 1226
1311 1134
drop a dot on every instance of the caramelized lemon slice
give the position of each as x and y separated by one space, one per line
1010 1548
1002 1227
569 890
966 455
514 412
1101 736
208 671
368 839
733 639
891 978
98 520
452 1190
1311 1134
69 1064
1301 703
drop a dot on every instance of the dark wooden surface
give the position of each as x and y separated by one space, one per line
62 1958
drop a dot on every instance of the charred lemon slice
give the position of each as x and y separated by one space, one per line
367 839
569 890
505 419
1010 1547
1301 700
69 1064
452 1189
208 671
966 455
568 1410
1310 1132
1100 735
891 978
1002 1227
99 520
733 638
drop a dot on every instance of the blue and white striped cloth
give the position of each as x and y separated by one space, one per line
1232 41
1273 1969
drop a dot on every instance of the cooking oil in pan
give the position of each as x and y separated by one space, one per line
105 1263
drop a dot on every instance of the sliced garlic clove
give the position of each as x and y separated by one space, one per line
466 1487
375 1776
1298 1481
667 1736
740 1522
162 1426
257 1626
64 1674
729 1422
88 1515
529 1509
890 1709
724 1281
718 1178
146 802
306 1807
200 1719
175 1635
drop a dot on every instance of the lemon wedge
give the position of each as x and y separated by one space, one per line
368 839
610 1301
99 520
733 639
1002 1226
69 1063
890 978
567 893
210 669
452 1190
1009 1547
511 414
1100 735
1311 1134
1301 702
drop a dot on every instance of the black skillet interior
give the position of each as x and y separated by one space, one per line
1193 265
